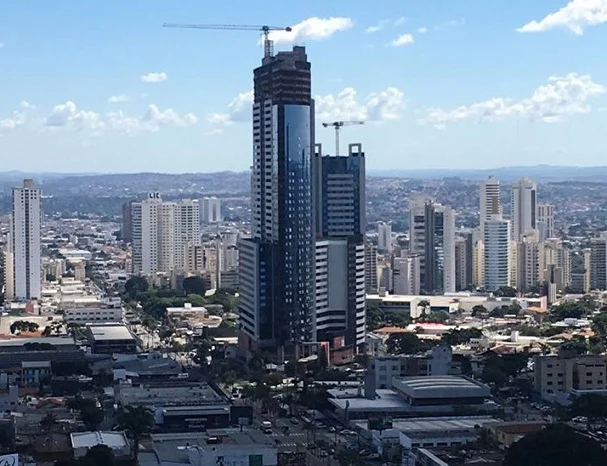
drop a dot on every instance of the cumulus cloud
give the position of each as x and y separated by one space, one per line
422 30
575 16
118 98
378 106
17 118
403 39
154 77
313 28
400 21
68 115
239 109
552 102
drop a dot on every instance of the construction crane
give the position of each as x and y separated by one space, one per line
268 45
337 125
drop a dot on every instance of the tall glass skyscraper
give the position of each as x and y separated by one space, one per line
277 262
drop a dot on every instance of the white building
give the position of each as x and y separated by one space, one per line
340 296
23 262
545 221
497 264
523 209
116 441
490 203
406 275
210 210
384 236
90 315
162 232
371 282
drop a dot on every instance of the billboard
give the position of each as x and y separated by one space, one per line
9 460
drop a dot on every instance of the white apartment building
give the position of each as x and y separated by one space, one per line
384 236
210 210
23 261
406 275
490 203
340 298
523 208
528 260
497 263
93 315
545 221
162 232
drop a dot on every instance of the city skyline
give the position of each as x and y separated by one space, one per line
460 84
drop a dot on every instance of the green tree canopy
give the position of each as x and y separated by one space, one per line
23 326
505 291
589 405
556 445
405 343
479 310
134 285
575 310
136 422
460 336
375 317
99 455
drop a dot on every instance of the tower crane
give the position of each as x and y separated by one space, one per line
337 125
268 45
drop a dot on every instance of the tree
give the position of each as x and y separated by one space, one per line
349 458
136 421
99 455
375 317
556 445
590 405
437 317
575 310
23 326
479 310
424 304
135 285
404 343
599 323
48 421
460 336
194 285
505 292
92 417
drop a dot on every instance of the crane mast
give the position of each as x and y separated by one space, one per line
268 44
337 125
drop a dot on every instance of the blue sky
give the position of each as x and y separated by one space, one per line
101 86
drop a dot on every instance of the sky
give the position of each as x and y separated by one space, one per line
101 86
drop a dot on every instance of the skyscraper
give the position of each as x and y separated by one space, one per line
127 222
371 280
339 184
523 208
490 203
463 261
497 263
24 266
277 263
384 237
545 221
210 210
432 235
598 263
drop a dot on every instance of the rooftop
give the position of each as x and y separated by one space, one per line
114 440
431 426
169 395
440 386
20 341
110 332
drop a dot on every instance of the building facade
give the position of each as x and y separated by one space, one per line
23 261
598 263
277 283
384 237
497 257
210 210
490 202
545 221
523 208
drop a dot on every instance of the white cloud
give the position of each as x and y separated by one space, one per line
17 118
312 29
377 27
118 98
68 115
574 16
403 39
400 21
422 30
154 77
552 102
239 109
378 106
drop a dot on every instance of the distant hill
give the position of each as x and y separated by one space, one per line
537 172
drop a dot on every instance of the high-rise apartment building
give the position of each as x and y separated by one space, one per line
598 263
406 275
277 264
340 220
162 232
210 210
523 208
371 279
497 257
384 237
490 203
127 222
463 261
23 265
528 259
545 221
556 263
434 223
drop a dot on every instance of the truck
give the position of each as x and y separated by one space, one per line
266 427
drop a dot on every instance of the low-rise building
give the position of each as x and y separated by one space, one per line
117 441
93 315
111 338
507 433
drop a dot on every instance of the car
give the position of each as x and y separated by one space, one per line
294 420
